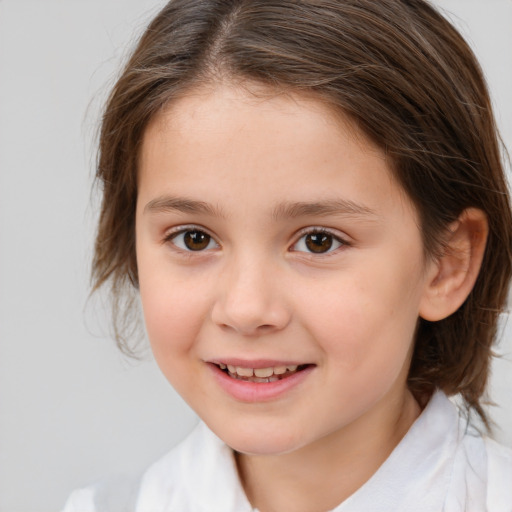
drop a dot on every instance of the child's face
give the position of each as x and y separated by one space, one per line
270 235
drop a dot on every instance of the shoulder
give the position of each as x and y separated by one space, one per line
199 474
115 494
469 471
499 476
121 493
81 500
482 473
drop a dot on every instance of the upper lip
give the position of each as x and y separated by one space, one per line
255 363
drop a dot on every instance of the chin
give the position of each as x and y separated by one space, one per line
257 439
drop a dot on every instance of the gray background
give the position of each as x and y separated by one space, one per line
71 408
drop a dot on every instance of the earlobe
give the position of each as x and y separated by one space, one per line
452 276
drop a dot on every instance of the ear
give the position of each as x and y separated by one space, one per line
451 278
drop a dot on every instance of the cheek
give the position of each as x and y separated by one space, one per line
365 321
173 308
173 321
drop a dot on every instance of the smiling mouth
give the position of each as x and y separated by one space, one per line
261 375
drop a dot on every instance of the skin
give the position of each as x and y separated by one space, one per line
257 292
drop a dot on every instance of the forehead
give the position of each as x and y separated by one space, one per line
252 107
264 146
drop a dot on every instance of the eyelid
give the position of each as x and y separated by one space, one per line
337 235
177 230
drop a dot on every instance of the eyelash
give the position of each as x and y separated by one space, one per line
182 230
335 238
311 231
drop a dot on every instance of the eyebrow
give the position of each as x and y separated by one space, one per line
322 208
181 204
286 210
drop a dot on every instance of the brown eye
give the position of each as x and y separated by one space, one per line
193 240
196 240
319 242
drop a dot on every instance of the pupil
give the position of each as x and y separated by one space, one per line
196 240
319 242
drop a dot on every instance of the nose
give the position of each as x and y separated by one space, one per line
251 299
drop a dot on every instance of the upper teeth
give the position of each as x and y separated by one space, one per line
258 372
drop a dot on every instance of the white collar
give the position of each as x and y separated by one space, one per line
200 474
416 476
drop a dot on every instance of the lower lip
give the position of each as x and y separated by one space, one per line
246 391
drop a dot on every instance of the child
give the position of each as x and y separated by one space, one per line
309 199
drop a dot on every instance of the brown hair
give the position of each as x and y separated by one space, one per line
400 71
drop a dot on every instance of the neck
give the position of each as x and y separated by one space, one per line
321 475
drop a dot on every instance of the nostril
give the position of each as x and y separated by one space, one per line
247 329
249 316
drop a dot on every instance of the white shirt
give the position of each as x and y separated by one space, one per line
439 466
